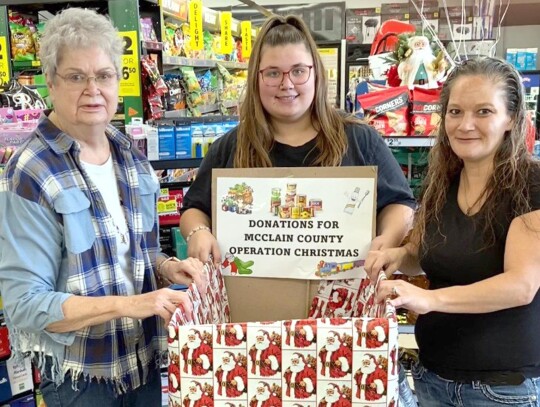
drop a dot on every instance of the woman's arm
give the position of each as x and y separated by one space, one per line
81 312
516 286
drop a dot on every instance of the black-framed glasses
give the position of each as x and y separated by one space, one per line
80 80
274 77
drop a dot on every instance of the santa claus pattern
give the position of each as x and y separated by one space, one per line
300 334
265 352
197 352
335 354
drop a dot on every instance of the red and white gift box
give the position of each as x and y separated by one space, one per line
314 362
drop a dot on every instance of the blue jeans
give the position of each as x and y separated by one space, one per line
406 397
98 393
434 391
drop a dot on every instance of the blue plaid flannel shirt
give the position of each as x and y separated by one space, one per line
56 240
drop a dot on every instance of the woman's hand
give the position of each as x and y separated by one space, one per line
186 272
387 260
204 246
406 295
161 302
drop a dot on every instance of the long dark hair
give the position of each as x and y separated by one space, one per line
511 163
255 133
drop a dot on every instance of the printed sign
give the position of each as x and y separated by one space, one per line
196 24
294 222
226 32
130 84
245 27
4 62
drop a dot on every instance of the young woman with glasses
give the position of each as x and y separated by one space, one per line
286 120
79 250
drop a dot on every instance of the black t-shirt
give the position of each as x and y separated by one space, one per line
365 147
474 346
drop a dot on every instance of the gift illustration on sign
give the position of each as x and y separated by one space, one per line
239 199
301 226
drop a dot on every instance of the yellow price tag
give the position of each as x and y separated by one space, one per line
226 33
196 24
245 27
130 83
4 62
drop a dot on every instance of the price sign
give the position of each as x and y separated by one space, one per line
392 142
226 33
4 62
196 24
245 27
130 76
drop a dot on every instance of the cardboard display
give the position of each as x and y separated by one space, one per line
259 299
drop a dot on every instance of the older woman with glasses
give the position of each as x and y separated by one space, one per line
79 254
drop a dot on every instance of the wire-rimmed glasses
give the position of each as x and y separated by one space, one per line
80 80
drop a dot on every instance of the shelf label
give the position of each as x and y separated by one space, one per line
130 76
4 62
245 27
196 24
392 142
226 32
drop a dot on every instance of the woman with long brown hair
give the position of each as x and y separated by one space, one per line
286 120
476 238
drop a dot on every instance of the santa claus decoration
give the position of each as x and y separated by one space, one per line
231 376
334 396
372 333
300 334
337 302
231 335
265 354
336 356
197 396
371 379
421 67
197 354
266 396
301 377
174 373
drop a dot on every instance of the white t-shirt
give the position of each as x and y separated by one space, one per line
104 178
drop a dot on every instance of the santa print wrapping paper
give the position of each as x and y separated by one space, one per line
322 362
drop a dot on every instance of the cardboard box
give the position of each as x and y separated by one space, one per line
482 28
395 8
425 6
362 24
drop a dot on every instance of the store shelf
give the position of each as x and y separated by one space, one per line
405 141
180 163
201 63
23 65
405 329
152 45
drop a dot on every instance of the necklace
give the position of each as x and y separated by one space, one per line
469 208
124 236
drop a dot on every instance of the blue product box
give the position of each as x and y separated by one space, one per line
521 60
26 401
167 143
511 55
197 139
183 140
5 387
530 59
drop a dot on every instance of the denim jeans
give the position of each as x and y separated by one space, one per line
406 397
434 391
98 393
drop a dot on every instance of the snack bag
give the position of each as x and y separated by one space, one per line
387 110
22 43
425 112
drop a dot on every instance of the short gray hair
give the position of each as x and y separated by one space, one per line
76 28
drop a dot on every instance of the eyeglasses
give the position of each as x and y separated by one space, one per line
274 77
80 80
